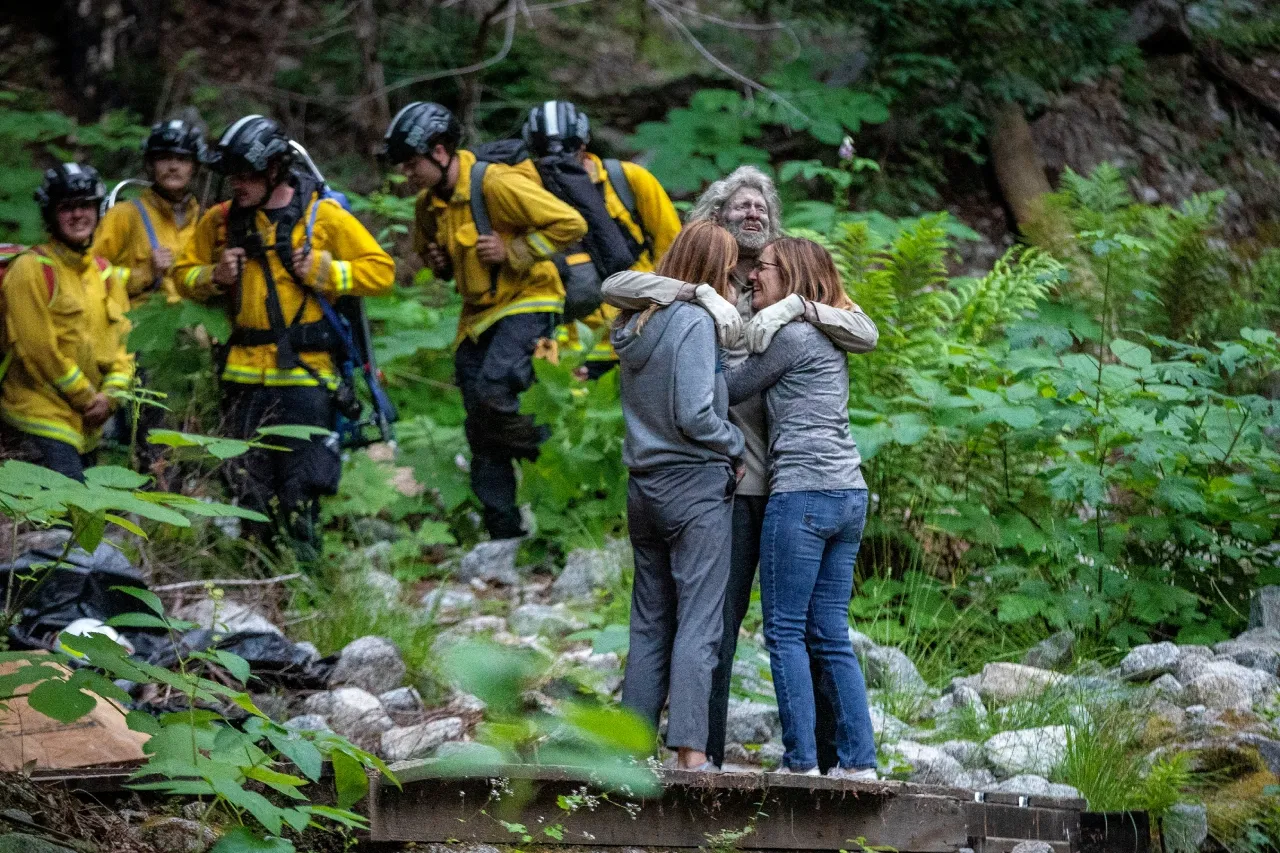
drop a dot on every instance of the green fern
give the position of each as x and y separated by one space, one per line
1018 281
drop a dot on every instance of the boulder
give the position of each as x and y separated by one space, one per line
1258 685
967 752
475 758
352 712
1216 689
588 571
1146 662
20 842
752 722
491 562
886 726
1007 682
1185 826
402 700
308 723
1264 608
380 584
448 603
1030 785
861 642
929 765
308 648
976 779
226 617
1030 846
176 835
371 663
375 530
890 669
1257 648
1039 751
1166 687
1052 653
603 672
543 620
405 743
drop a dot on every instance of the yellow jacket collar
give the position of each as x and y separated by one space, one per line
462 190
189 205
67 256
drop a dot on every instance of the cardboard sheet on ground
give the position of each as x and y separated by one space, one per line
100 737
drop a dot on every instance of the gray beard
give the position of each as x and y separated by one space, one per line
752 241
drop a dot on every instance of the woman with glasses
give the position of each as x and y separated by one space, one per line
814 517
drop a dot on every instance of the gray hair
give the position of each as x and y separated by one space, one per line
718 194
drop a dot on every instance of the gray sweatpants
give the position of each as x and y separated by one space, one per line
681 523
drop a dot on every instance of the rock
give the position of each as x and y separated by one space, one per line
308 723
1218 690
409 742
1052 653
770 754
888 727
967 752
1146 662
1006 682
1167 687
308 648
374 530
977 779
1185 826
474 757
351 711
1039 751
273 705
402 700
890 669
176 835
1258 648
546 620
20 842
1189 666
459 848
602 672
381 584
929 765
940 707
1026 784
464 704
588 571
226 617
861 642
752 722
964 696
1264 608
492 562
448 603
1268 751
1030 846
371 663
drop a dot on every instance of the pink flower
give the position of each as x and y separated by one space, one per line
846 148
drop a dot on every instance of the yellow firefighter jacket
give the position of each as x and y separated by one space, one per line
66 342
661 225
532 222
347 260
122 240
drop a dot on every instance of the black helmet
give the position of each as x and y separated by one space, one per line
175 137
250 145
68 182
555 127
418 128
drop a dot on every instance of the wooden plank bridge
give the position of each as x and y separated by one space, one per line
755 811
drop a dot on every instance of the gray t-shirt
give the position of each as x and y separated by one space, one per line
805 381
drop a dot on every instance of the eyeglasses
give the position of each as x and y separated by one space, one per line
762 264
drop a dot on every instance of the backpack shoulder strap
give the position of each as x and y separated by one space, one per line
622 186
480 213
146 224
480 207
50 274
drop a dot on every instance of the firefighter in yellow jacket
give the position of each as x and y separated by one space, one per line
146 234
511 293
634 199
273 252
64 330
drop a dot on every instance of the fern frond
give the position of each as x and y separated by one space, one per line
1015 284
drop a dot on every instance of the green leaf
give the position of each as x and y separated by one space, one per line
1131 354
302 752
612 638
138 620
128 525
114 477
240 840
299 431
234 664
87 528
146 596
60 700
349 777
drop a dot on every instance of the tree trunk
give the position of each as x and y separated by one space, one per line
469 84
373 109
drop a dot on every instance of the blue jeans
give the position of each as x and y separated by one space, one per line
807 552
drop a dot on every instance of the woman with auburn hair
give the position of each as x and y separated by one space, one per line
815 514
682 454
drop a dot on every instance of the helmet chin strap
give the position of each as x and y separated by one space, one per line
444 172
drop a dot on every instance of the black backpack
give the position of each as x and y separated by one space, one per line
610 248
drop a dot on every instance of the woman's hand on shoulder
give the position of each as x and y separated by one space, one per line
723 312
768 321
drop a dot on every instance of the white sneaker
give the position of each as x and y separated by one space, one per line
866 774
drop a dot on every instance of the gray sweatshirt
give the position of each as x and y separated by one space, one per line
851 331
805 381
674 398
